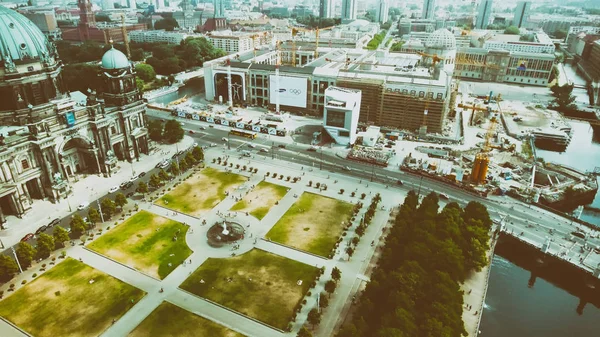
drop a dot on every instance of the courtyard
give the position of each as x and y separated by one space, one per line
260 200
71 299
313 224
201 192
147 242
169 320
258 284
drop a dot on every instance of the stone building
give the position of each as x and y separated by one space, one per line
46 138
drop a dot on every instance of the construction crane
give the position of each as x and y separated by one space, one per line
317 39
125 38
434 58
296 30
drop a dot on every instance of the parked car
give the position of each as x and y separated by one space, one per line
312 149
191 132
164 164
130 194
126 185
281 146
174 156
141 174
41 229
212 145
346 168
54 222
224 139
444 196
578 234
251 145
202 128
113 189
264 150
134 178
27 237
246 154
399 182
83 205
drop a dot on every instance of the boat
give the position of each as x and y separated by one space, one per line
178 101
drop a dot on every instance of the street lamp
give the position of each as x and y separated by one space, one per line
321 162
16 259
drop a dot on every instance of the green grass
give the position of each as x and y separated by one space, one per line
80 309
260 200
169 320
263 285
145 242
313 223
201 192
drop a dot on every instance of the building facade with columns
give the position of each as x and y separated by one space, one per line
46 138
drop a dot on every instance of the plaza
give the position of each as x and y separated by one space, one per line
281 292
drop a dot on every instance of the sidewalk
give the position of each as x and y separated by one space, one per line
85 189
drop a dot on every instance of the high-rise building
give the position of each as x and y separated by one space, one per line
484 13
382 11
326 9
428 9
107 4
348 10
521 13
219 8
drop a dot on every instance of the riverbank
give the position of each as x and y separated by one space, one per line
474 292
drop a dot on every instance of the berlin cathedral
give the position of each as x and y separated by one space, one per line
46 137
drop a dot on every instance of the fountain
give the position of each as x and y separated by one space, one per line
224 232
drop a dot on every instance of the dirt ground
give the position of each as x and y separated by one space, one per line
260 199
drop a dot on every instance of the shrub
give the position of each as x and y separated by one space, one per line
12 285
57 293
304 301
24 281
34 275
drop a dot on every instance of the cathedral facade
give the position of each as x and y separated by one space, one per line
46 138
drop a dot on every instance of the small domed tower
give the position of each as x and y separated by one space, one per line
118 76
443 44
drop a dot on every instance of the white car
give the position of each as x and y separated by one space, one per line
182 123
213 144
202 128
83 205
251 145
134 178
195 145
224 139
264 150
113 189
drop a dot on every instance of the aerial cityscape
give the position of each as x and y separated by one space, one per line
273 168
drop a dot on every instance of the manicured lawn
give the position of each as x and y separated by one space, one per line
169 320
260 200
201 192
145 242
313 224
258 284
63 302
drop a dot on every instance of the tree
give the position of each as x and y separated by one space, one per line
303 332
174 169
512 30
25 253
60 237
183 165
155 181
139 83
142 188
8 268
330 287
397 46
45 245
120 200
323 301
563 98
336 274
349 251
173 131
108 207
94 215
560 34
314 317
81 77
155 130
169 24
198 153
190 159
145 72
163 175
77 225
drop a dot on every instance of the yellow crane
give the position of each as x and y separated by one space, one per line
296 30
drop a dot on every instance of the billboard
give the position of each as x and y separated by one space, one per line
292 91
70 115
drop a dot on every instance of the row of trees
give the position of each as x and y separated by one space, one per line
376 40
414 291
157 180
192 52
170 132
314 315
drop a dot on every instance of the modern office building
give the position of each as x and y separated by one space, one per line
382 12
219 8
160 36
428 10
521 13
326 9
340 114
235 42
484 13
348 10
46 22
396 88
46 137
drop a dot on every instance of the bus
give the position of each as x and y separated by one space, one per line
243 133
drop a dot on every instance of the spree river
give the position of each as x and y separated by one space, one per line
512 308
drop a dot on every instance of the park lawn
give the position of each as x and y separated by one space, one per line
262 285
201 192
313 224
169 320
62 302
260 200
145 242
